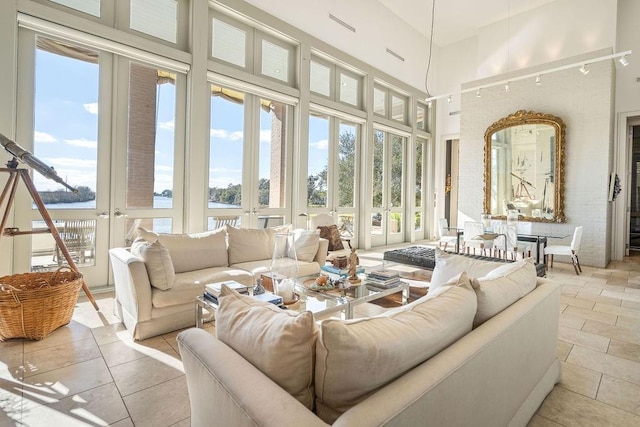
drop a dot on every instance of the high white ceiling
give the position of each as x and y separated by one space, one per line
456 20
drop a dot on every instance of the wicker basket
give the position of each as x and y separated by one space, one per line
32 305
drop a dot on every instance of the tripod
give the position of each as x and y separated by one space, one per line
9 192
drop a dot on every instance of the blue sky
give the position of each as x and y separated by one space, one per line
66 129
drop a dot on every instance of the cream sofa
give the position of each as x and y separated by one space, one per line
496 374
157 294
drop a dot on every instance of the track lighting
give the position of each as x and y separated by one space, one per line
623 60
478 95
507 87
584 70
429 104
538 80
449 99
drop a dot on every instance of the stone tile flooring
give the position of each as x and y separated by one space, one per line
91 372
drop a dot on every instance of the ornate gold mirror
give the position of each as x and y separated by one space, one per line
524 167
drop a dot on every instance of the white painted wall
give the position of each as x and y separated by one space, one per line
628 38
585 103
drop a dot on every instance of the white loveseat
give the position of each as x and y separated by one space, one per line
157 294
495 374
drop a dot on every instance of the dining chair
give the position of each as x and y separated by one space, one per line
571 250
471 231
445 234
507 241
222 220
524 246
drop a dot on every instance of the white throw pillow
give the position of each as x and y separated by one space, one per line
502 287
247 244
306 243
355 358
157 261
280 343
449 265
191 252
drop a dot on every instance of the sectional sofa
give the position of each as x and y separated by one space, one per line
476 351
159 277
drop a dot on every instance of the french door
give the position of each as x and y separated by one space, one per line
387 216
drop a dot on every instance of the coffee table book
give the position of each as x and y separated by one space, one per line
266 297
215 288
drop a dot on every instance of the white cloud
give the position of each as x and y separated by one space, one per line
168 125
43 137
164 168
91 107
224 134
60 163
82 142
323 144
224 170
265 135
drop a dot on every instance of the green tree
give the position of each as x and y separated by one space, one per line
346 169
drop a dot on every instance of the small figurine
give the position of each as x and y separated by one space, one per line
353 266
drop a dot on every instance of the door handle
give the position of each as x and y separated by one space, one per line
119 214
104 214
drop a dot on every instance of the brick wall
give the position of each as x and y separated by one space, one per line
585 103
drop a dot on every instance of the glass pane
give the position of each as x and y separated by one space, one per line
272 177
79 237
318 160
379 101
66 123
398 108
346 165
378 168
349 89
418 189
158 225
421 116
215 222
417 223
151 139
275 61
395 222
397 150
92 7
229 43
158 18
376 224
226 144
320 79
346 225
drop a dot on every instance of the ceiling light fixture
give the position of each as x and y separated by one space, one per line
486 85
478 94
538 80
584 70
507 87
623 60
449 99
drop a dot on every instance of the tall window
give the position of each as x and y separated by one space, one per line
66 122
347 165
336 83
419 153
318 165
226 147
272 182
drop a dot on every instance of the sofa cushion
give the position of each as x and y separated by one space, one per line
502 287
280 343
332 234
354 358
192 251
449 265
157 261
306 243
250 244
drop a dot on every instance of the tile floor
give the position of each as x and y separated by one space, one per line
91 373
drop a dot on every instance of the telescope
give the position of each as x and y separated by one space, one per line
29 159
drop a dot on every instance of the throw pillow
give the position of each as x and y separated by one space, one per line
191 252
449 265
247 244
306 243
502 287
332 234
157 261
280 343
355 358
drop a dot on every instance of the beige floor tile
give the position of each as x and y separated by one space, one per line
74 331
619 393
585 339
562 307
11 354
595 297
614 366
617 332
163 404
625 350
59 356
99 406
54 385
631 304
108 333
124 423
184 423
575 302
591 315
628 322
571 409
124 351
618 311
571 321
627 296
10 402
580 380
539 421
563 349
147 372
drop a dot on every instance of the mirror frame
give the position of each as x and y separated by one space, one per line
522 117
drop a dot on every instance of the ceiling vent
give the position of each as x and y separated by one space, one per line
341 22
392 53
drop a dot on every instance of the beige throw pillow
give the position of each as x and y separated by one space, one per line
280 343
502 287
306 243
449 265
247 244
355 358
157 261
